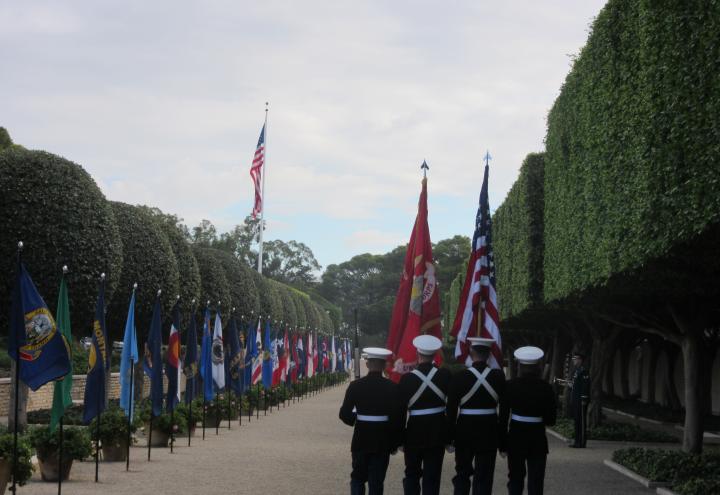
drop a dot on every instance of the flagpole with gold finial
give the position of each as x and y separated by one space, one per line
262 191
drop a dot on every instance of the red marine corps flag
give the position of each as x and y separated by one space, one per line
417 305
477 314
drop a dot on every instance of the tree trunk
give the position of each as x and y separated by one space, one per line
557 358
652 373
23 398
625 351
602 342
692 361
670 390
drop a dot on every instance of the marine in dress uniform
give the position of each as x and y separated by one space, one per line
473 420
423 393
372 406
579 400
528 407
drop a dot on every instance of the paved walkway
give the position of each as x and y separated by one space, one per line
303 448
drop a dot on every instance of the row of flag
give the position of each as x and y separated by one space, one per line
230 360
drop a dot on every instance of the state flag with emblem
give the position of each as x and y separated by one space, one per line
172 366
206 358
417 304
94 399
235 359
218 354
40 351
267 361
190 363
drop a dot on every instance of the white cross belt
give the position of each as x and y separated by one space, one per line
425 412
477 412
372 419
526 419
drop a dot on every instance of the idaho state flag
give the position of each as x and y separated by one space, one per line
417 305
43 351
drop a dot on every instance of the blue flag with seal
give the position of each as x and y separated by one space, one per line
128 359
206 367
235 360
94 401
250 353
153 360
267 364
41 352
190 363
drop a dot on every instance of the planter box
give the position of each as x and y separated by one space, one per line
114 453
49 468
634 476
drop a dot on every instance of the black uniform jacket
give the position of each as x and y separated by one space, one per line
422 432
480 432
528 396
373 395
580 385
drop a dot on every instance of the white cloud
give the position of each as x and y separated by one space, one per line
163 105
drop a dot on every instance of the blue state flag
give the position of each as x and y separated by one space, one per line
128 359
190 363
235 360
42 353
206 368
267 363
250 353
94 403
153 360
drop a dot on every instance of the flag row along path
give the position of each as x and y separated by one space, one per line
303 448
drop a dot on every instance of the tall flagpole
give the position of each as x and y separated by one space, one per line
262 192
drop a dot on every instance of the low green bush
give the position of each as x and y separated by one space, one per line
113 429
673 466
76 442
614 431
698 486
24 466
73 416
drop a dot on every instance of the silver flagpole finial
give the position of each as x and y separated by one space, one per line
65 269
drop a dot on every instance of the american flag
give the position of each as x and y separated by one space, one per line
477 314
256 173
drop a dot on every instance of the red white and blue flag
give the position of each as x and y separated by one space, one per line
256 173
477 313
258 357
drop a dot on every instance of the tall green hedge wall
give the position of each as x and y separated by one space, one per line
633 143
518 241
57 210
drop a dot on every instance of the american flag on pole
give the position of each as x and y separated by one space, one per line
256 173
477 313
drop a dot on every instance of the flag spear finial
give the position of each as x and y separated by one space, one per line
424 167
487 158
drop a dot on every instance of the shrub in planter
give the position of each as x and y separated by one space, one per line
112 434
24 465
76 445
163 425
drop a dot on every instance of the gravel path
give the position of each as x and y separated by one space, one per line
303 448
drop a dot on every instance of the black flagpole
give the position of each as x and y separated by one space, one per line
129 421
17 391
97 439
190 424
60 454
172 429
204 409
258 402
218 414
149 436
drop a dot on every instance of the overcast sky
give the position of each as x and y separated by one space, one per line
162 102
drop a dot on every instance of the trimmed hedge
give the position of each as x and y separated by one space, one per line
289 309
5 139
689 474
150 262
518 241
243 294
614 431
62 217
633 143
299 308
214 282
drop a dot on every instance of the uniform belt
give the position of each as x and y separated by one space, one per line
477 412
425 412
372 419
527 419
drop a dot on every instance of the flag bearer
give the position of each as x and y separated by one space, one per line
423 393
372 406
473 419
579 400
529 405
